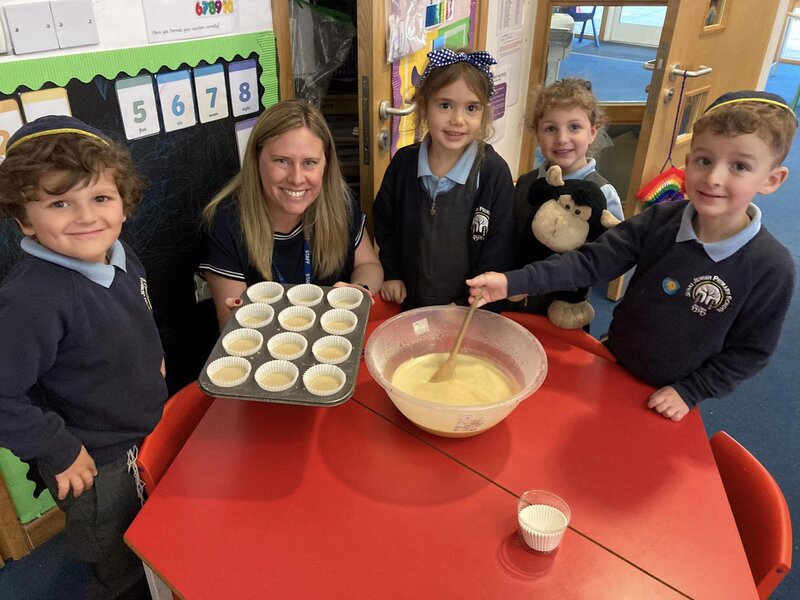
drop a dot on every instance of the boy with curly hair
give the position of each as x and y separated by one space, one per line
81 380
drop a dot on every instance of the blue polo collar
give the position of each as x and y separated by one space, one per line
460 171
581 173
719 251
99 274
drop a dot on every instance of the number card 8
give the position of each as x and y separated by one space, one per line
243 80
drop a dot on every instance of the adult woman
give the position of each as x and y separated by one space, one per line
287 216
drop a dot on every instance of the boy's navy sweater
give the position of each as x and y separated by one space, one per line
700 326
396 218
81 363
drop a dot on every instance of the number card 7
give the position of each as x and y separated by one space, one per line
212 97
177 99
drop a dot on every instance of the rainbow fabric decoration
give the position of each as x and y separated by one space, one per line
664 187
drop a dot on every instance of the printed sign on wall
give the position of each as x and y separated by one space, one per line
243 131
53 101
169 20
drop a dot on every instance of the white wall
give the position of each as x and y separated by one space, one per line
121 24
513 122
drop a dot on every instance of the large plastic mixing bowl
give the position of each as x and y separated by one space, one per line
514 349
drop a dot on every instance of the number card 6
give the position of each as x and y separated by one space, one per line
177 99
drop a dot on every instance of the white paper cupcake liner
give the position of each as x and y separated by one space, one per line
311 381
255 315
265 291
288 337
345 297
338 315
297 312
276 366
542 526
214 371
305 294
243 334
332 341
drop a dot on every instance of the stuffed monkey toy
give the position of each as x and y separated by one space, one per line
566 214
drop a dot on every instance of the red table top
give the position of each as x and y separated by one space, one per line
641 485
269 500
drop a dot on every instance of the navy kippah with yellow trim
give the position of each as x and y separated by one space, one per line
52 125
749 96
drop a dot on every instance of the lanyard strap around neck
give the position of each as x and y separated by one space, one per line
306 265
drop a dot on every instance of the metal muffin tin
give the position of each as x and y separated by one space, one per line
297 394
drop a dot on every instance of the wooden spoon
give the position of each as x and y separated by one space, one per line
448 368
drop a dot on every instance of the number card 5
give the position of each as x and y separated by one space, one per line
244 87
212 96
137 104
177 99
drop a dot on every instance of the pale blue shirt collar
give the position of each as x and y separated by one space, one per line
458 174
718 251
581 173
96 272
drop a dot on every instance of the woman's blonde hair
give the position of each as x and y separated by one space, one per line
567 93
326 223
440 77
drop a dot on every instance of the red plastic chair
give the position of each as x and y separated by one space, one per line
760 511
541 325
181 415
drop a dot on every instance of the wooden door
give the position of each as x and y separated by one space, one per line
375 83
374 86
729 49
732 45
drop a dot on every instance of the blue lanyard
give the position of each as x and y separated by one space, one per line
306 265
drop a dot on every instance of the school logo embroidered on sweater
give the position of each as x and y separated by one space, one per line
709 292
480 224
144 292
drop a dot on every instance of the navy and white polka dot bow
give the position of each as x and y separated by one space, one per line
442 57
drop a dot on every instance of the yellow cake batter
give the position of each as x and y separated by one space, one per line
254 321
338 325
242 345
226 374
296 321
324 383
276 379
287 348
331 352
476 381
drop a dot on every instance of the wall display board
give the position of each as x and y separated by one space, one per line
146 105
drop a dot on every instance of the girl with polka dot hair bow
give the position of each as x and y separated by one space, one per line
445 208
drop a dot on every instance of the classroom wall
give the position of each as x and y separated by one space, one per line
508 146
184 169
121 24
